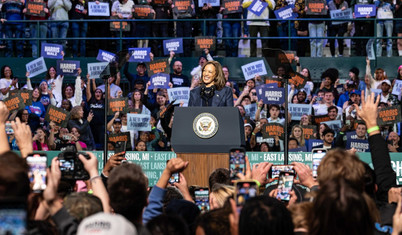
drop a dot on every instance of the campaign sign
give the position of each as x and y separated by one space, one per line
175 45
25 94
389 115
232 6
159 80
143 12
250 110
321 118
105 56
138 122
68 67
316 7
309 131
159 3
396 90
273 81
118 105
351 135
213 3
341 15
257 7
100 9
361 11
182 6
298 110
370 49
286 13
158 66
120 137
14 103
51 51
115 25
376 91
359 145
95 69
35 8
271 130
301 149
205 42
335 125
139 54
250 70
180 94
313 143
57 115
36 67
271 95
298 80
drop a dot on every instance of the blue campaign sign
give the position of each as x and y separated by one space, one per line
68 67
271 95
105 56
139 54
286 13
351 135
159 80
365 10
175 45
51 51
313 143
359 145
257 7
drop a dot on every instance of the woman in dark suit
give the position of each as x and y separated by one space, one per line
212 90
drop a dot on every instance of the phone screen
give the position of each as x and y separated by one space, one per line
13 218
244 191
37 171
174 178
237 163
318 154
285 184
202 199
9 129
67 165
277 169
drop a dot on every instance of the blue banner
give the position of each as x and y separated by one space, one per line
51 51
286 13
139 54
175 45
271 95
312 143
362 11
159 80
257 7
180 94
105 56
68 67
359 145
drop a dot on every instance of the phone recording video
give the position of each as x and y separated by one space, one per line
277 169
318 154
202 199
37 171
244 191
237 163
174 178
13 217
120 146
285 184
9 128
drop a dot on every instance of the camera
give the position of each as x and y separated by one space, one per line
71 166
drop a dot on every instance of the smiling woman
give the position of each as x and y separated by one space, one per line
212 91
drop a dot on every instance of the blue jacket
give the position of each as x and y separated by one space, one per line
223 97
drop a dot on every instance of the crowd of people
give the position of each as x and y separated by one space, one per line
60 11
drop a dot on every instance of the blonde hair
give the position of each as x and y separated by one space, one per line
222 192
301 140
74 112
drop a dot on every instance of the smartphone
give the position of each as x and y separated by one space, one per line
9 129
202 199
245 189
120 146
13 217
237 162
285 184
277 169
318 99
174 178
37 171
318 154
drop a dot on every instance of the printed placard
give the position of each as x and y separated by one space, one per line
271 95
205 42
95 69
321 118
232 6
257 7
159 80
298 80
370 49
361 11
138 122
105 56
341 15
300 149
68 67
250 110
316 7
252 69
25 94
36 67
159 2
117 105
313 144
115 25
139 54
273 80
271 130
389 115
180 94
376 91
100 9
158 66
35 8
182 6
335 125
396 90
58 115
51 51
143 12
351 135
298 110
175 45
121 137
286 13
309 131
14 103
359 145
213 3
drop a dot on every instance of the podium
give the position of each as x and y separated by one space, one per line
203 136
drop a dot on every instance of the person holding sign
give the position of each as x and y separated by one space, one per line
337 29
7 82
79 11
231 28
59 11
36 32
385 15
212 91
123 9
37 107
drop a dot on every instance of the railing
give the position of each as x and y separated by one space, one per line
120 36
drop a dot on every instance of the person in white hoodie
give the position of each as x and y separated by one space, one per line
59 11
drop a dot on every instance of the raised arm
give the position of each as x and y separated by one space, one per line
88 88
4 147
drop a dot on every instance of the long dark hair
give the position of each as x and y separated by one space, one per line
47 77
4 68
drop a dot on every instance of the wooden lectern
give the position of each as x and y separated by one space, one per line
203 136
